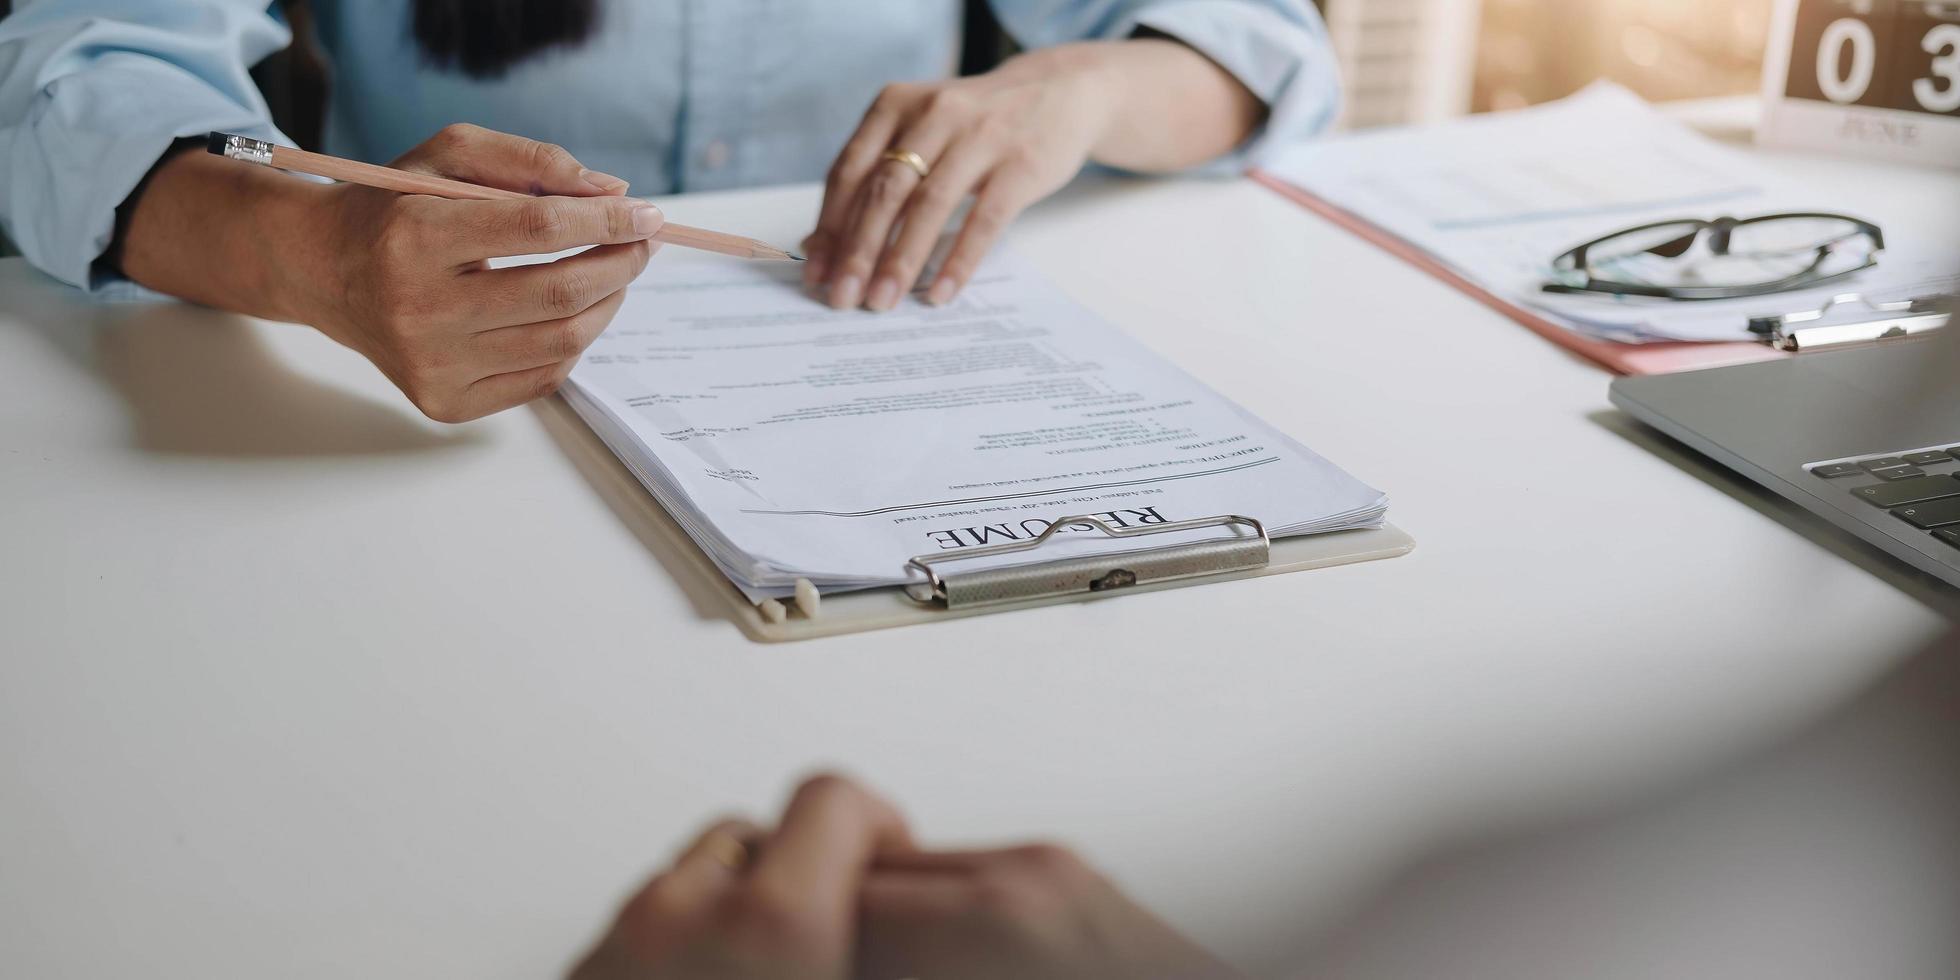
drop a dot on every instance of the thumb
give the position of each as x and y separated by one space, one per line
493 159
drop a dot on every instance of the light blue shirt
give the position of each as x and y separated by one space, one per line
672 95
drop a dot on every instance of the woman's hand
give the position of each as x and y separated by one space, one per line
1007 138
403 278
742 903
1029 913
407 283
1013 136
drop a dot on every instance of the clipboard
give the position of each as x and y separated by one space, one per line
944 594
1155 568
1664 357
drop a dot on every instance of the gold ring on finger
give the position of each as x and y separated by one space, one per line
725 849
910 159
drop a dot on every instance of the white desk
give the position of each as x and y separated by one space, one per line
296 683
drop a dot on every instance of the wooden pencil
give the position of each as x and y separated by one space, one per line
401 181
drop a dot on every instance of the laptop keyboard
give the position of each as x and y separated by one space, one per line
1921 488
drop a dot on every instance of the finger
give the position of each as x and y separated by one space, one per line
485 156
944 862
880 200
530 345
1005 195
553 290
488 396
664 913
858 158
902 918
716 859
492 229
830 833
915 895
974 861
926 216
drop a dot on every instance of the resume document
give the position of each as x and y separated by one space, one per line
795 441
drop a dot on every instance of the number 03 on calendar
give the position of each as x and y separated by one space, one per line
1871 77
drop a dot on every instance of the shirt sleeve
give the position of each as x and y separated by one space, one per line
1277 48
92 92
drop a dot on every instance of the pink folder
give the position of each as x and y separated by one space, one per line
1657 358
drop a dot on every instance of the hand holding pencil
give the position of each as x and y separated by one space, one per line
409 182
402 274
394 262
405 279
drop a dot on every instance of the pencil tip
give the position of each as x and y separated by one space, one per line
792 256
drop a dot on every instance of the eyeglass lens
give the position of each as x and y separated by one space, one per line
1759 252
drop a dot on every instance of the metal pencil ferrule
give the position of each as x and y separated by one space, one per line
248 150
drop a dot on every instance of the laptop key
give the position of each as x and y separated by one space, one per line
1881 463
1928 458
1831 471
1899 473
1932 513
1950 535
1910 491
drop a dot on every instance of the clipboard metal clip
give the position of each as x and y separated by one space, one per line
1901 318
1096 573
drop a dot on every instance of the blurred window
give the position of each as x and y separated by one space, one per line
1536 50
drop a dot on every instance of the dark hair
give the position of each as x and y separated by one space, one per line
485 38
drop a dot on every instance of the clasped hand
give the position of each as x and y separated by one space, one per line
838 889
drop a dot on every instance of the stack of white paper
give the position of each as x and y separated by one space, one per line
793 441
1497 197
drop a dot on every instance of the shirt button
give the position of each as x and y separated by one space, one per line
715 155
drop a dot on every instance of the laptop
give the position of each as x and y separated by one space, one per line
1866 438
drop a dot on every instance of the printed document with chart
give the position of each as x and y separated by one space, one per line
794 441
1495 197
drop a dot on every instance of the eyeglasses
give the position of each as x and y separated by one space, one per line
1692 259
